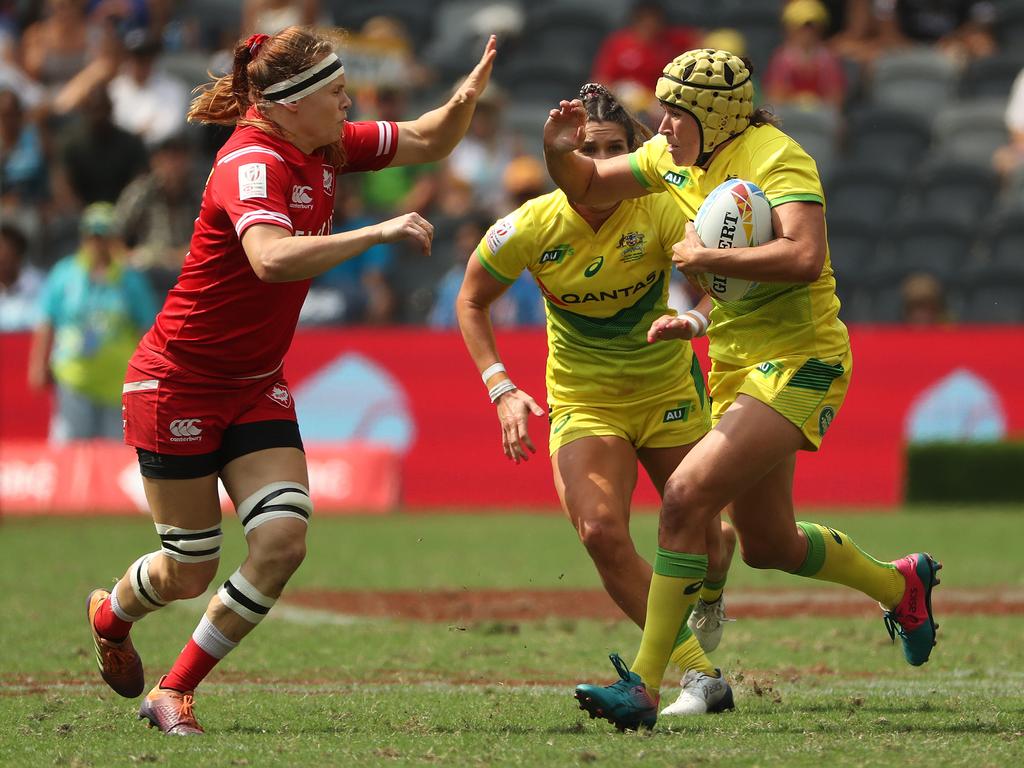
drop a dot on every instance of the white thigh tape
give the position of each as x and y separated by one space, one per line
273 501
244 599
187 546
138 575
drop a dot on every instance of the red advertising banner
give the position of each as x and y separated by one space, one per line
99 476
415 393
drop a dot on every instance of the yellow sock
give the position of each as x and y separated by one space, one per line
712 590
689 655
833 556
675 584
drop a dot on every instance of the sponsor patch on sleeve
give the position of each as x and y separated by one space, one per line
500 233
252 180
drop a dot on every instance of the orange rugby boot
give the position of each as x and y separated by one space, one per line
119 663
170 711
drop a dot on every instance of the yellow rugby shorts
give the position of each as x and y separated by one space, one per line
678 416
806 390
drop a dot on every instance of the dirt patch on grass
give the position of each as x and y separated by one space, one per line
476 605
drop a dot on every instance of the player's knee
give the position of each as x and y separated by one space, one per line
604 537
280 560
685 507
183 581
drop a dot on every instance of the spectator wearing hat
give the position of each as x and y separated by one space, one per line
93 310
482 156
147 101
803 69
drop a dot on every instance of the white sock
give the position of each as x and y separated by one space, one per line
212 640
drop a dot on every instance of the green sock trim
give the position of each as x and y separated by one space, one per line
714 584
679 565
815 550
684 631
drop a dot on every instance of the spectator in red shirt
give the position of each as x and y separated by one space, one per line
803 69
632 58
205 396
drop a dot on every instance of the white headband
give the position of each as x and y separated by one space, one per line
313 79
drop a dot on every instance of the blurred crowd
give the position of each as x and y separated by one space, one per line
101 176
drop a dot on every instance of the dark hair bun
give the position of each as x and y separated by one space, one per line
594 91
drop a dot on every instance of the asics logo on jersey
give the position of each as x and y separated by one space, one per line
185 430
301 197
594 267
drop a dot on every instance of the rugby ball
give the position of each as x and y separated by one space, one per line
735 215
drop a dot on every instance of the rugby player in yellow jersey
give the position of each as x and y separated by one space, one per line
614 397
781 365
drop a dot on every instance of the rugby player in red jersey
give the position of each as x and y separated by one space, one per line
205 397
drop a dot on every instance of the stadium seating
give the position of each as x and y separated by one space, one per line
887 137
991 76
961 190
994 295
917 80
816 129
971 130
864 193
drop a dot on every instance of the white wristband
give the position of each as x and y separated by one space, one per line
491 370
697 321
502 387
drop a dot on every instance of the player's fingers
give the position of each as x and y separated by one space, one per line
525 440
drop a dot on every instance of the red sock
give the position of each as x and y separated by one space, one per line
108 625
189 670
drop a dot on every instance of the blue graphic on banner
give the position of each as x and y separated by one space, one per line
353 398
961 407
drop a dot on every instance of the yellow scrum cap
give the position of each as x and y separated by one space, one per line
715 87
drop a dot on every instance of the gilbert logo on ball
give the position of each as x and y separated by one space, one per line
735 215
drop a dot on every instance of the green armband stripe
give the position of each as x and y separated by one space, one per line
807 197
637 173
494 273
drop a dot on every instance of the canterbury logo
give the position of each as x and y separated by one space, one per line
301 196
186 427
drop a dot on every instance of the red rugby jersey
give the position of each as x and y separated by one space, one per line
220 319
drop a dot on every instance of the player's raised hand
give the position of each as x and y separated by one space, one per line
409 225
477 80
514 409
565 127
671 327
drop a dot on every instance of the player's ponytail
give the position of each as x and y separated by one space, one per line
603 107
259 62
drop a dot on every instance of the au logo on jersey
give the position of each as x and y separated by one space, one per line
682 413
632 245
770 368
556 253
677 179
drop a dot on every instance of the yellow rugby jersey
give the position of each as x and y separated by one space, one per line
602 291
774 319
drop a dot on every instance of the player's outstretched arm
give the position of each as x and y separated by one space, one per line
479 290
433 135
277 256
584 179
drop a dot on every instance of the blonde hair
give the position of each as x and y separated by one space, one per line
259 62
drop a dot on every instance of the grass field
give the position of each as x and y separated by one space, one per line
313 688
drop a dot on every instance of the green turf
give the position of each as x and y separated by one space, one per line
387 692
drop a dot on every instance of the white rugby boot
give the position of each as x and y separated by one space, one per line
702 694
706 623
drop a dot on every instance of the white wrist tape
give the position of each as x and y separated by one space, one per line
697 321
491 370
501 388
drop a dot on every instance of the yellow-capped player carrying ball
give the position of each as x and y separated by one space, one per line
604 271
780 367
